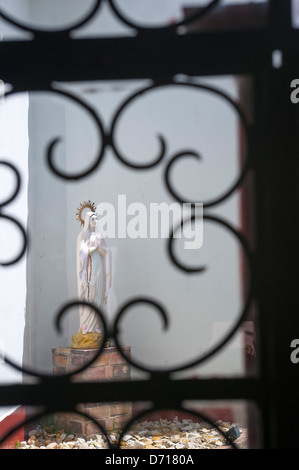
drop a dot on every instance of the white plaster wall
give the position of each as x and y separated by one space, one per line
13 148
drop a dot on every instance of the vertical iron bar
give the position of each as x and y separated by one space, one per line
276 171
280 15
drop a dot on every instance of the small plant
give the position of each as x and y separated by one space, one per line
49 424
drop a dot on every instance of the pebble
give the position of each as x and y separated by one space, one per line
160 434
52 445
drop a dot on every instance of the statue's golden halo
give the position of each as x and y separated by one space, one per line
85 205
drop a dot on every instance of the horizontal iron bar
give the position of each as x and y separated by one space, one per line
150 55
58 393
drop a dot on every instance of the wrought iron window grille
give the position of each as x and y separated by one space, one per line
160 54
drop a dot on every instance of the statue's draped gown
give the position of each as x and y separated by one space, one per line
94 276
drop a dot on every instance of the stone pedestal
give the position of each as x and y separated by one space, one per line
110 366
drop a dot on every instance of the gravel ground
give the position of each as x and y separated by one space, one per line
161 434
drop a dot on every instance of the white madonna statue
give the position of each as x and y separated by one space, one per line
94 277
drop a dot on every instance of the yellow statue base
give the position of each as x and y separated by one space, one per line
88 341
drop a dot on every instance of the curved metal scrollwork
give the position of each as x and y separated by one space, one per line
46 412
15 192
25 27
165 317
181 155
50 152
58 319
243 314
109 138
184 153
4 203
99 126
170 27
118 13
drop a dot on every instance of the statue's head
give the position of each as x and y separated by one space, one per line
90 223
85 205
93 220
87 217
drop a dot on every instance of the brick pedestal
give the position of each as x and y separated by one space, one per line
109 366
